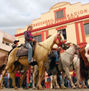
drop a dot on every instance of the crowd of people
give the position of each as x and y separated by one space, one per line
7 82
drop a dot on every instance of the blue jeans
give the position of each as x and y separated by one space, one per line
28 45
56 54
6 82
60 79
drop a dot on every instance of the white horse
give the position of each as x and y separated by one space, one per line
67 58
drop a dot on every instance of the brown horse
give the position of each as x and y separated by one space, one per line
84 64
41 52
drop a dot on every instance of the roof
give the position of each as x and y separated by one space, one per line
59 4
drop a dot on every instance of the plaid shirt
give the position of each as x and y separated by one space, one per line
28 35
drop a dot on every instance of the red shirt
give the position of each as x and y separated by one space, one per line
17 74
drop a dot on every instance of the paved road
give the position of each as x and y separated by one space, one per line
20 89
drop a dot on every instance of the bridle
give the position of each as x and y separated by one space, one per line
60 42
57 38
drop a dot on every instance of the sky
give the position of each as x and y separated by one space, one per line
16 14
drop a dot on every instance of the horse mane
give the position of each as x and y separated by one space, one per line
49 41
50 38
12 53
83 68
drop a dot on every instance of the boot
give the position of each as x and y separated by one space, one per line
32 63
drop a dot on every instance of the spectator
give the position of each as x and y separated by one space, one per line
17 79
6 80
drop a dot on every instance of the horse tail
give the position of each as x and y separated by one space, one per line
83 68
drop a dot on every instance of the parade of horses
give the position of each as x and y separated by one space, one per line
51 53
46 62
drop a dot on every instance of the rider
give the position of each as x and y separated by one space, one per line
56 52
28 42
15 44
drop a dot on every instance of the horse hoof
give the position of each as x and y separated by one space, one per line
80 86
74 87
34 88
15 87
84 86
40 88
63 87
57 87
1 87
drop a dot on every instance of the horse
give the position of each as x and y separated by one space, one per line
67 58
84 63
41 52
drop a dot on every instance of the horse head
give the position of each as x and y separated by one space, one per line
87 51
59 40
77 49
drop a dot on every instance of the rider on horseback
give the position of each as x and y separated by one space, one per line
28 42
15 44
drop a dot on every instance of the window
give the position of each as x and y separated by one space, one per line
38 38
63 31
86 27
6 42
60 14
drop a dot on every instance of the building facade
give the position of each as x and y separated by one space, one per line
70 19
6 41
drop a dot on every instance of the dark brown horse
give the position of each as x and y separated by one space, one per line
84 64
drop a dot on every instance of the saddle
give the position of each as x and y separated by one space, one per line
23 51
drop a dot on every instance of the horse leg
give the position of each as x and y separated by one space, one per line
69 77
78 77
76 63
84 86
43 75
56 83
12 75
63 77
35 73
51 81
39 86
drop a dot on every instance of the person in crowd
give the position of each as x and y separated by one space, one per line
66 82
17 79
6 80
74 77
29 40
55 51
